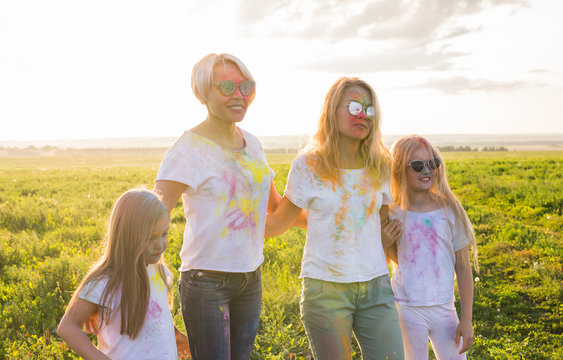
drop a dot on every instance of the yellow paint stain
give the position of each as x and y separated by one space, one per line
258 170
224 232
157 280
221 200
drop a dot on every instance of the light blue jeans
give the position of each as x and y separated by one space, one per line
332 311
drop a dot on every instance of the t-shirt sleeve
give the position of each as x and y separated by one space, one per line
298 188
460 239
177 164
386 193
93 291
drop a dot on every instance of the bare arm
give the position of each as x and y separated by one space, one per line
182 344
465 285
283 218
391 231
170 191
70 329
274 198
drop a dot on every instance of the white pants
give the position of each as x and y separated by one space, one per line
437 322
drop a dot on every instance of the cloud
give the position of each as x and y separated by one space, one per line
396 59
457 84
414 21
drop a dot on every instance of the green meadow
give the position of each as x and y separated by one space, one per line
53 213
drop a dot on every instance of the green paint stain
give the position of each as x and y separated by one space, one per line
428 223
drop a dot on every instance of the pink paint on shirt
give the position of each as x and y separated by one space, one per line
154 310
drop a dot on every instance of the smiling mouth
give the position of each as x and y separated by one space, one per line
236 107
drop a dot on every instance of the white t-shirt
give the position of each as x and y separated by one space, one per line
225 201
426 255
156 340
343 228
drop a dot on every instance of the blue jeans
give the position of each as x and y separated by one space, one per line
221 312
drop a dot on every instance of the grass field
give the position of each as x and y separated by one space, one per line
53 212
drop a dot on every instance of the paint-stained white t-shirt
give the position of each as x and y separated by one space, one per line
343 226
426 255
156 340
225 201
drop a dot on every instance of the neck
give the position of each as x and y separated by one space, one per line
350 153
421 201
221 132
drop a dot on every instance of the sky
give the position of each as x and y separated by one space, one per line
121 68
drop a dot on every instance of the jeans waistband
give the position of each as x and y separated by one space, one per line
221 274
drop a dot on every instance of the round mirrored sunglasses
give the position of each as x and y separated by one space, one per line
228 87
355 109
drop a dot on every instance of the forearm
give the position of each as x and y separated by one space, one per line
78 341
391 253
275 225
283 218
465 286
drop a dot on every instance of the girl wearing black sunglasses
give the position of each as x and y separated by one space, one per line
342 180
433 248
226 186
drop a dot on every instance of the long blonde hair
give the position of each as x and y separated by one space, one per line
123 263
402 150
324 144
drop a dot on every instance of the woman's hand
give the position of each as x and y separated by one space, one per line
465 331
391 231
91 325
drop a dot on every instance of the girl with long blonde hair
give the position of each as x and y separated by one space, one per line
127 288
342 180
431 252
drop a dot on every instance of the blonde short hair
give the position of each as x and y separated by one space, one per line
202 74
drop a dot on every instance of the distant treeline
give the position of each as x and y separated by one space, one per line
54 151
468 148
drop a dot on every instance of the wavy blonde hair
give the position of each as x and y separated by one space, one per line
402 150
324 144
123 262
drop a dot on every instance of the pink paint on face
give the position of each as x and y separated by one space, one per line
354 126
230 108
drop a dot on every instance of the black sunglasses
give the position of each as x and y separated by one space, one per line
228 87
418 165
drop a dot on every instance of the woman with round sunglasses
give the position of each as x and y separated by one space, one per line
342 180
226 185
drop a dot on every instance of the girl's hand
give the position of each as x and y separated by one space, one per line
391 232
465 331
182 344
